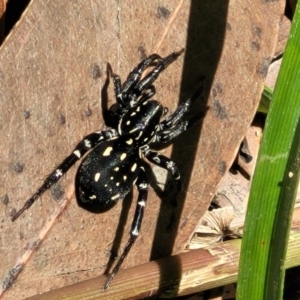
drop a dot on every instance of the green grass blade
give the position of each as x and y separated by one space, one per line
273 188
265 100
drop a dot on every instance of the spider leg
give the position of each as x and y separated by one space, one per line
122 92
152 76
118 89
147 93
142 186
137 72
182 109
164 162
89 142
165 136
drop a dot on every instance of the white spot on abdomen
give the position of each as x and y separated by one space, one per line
123 155
115 197
107 151
97 176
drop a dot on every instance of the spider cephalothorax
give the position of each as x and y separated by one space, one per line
115 159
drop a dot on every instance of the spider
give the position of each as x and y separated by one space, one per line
114 162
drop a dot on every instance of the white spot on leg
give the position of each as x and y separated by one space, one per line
157 159
107 151
142 203
97 176
58 173
87 143
135 232
77 153
170 165
143 185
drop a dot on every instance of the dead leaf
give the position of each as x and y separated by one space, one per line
214 226
53 66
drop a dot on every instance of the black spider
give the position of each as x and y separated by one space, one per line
114 163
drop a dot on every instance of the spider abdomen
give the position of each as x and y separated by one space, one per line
107 174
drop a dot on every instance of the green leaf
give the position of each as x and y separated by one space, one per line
274 184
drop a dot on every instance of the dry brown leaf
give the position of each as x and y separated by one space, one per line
49 69
214 226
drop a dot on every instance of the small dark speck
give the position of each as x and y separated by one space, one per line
57 192
96 72
256 31
214 92
88 112
271 1
263 68
217 89
255 46
62 119
18 167
222 167
219 110
34 244
142 52
26 114
162 12
228 26
5 199
237 44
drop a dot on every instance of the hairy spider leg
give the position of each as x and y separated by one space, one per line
152 76
88 143
173 126
147 94
142 186
122 92
165 163
135 76
182 109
